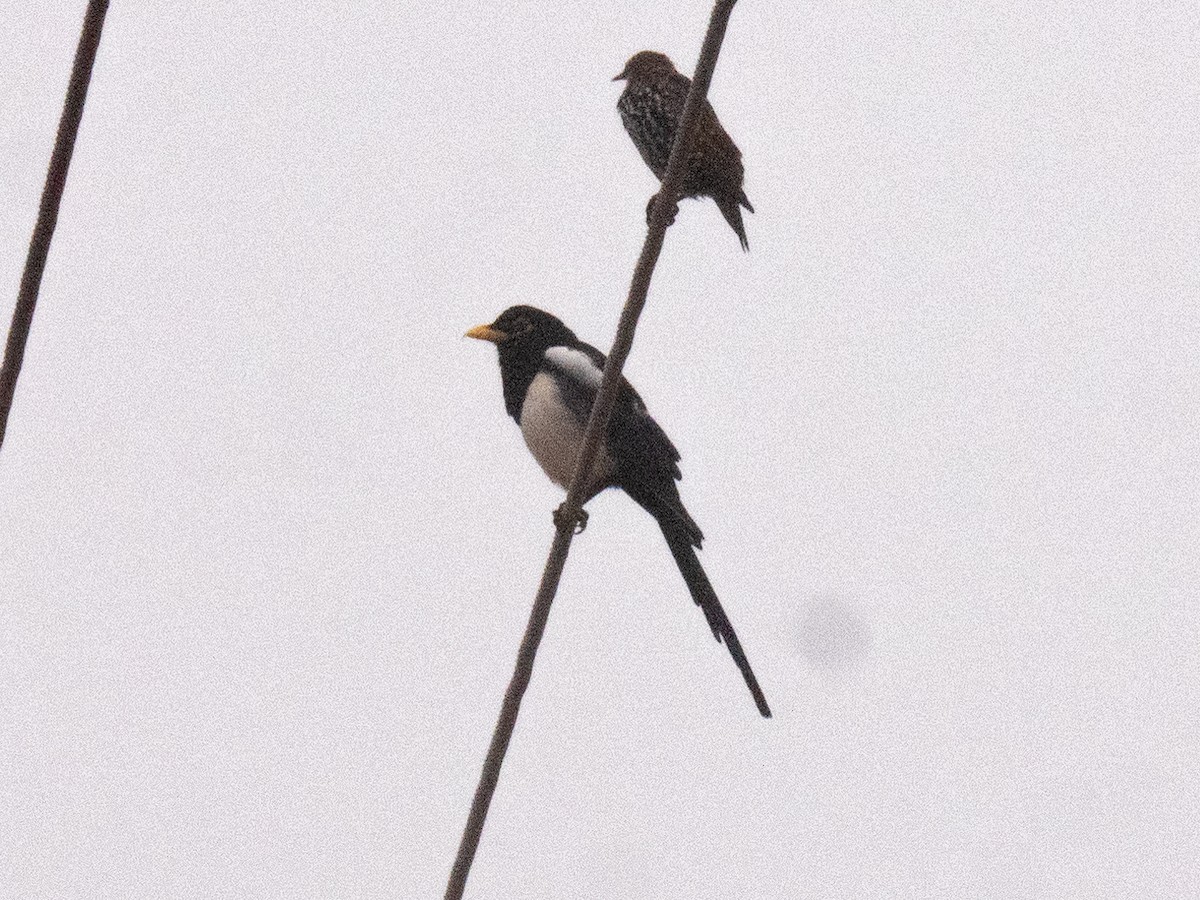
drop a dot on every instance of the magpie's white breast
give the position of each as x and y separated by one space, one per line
554 432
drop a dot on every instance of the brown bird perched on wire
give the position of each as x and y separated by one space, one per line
651 106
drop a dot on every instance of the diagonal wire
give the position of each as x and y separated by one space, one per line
664 210
43 230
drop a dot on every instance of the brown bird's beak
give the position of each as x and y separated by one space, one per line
486 333
620 77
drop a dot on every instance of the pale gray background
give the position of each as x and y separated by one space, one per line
268 541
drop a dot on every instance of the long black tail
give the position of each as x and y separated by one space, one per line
706 598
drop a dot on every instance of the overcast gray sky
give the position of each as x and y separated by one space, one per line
268 540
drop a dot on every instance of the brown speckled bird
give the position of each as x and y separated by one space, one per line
651 106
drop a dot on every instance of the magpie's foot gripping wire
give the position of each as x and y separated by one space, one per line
563 519
672 209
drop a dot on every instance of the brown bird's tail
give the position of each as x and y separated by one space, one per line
680 542
729 207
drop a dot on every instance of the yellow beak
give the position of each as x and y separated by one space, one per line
486 333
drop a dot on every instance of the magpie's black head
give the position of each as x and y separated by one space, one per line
524 331
522 334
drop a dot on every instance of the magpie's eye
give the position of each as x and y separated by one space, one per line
520 326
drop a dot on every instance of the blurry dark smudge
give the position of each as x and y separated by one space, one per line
834 636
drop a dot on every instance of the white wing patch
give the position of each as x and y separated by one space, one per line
577 364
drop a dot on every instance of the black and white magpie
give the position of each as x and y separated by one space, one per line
550 380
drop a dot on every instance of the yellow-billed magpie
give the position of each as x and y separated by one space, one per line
550 381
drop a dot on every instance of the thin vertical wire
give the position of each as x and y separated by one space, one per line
43 230
664 209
